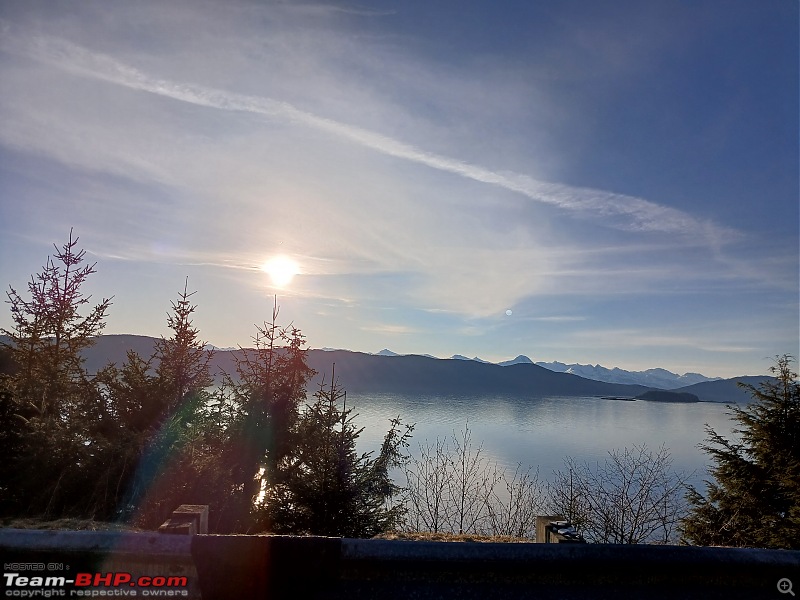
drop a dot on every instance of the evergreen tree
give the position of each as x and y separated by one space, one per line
183 361
132 394
11 437
52 397
754 499
263 409
162 420
49 334
143 393
329 489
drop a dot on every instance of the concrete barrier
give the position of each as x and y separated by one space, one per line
388 570
187 519
276 567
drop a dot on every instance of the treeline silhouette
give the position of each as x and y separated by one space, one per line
133 441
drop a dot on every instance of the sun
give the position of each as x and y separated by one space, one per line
281 270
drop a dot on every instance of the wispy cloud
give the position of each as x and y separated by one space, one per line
728 349
558 319
389 329
653 338
614 210
348 10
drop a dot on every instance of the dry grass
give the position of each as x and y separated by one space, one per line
89 525
66 525
450 537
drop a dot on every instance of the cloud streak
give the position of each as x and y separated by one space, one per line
557 319
619 211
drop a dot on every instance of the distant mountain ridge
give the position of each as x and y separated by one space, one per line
655 378
725 390
415 374
474 358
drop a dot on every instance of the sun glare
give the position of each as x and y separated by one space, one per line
281 270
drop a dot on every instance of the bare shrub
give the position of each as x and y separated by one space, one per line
513 511
633 497
453 487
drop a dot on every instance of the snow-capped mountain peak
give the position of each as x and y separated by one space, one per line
519 360
658 378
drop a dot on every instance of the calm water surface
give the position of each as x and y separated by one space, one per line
540 432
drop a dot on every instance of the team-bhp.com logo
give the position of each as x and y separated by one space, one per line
93 585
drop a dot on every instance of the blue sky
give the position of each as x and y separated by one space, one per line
612 183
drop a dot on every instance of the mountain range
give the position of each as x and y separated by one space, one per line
389 372
655 378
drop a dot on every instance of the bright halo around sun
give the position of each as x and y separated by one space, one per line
281 270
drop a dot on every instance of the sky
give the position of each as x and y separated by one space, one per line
580 181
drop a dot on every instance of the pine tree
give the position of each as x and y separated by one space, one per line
162 419
132 394
754 499
52 396
330 489
11 437
144 392
263 408
183 360
49 334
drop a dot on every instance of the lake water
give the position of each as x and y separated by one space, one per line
540 432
